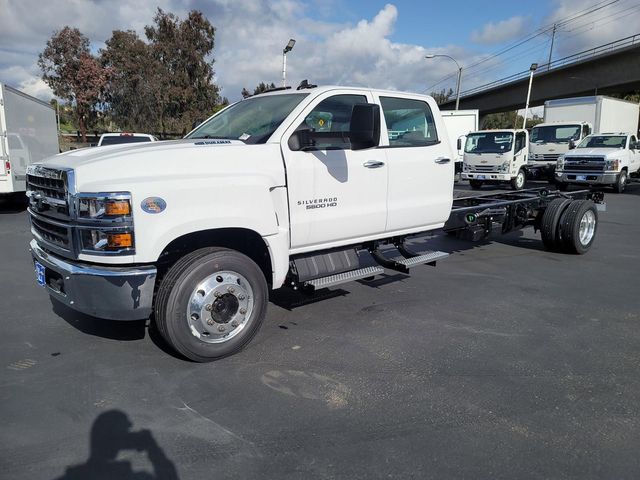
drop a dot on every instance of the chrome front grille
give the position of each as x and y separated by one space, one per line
49 207
584 164
544 157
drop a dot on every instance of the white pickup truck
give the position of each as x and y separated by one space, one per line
287 188
606 159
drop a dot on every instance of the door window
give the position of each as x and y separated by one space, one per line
520 141
332 115
409 122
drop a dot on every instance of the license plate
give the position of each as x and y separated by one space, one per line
480 177
40 274
581 177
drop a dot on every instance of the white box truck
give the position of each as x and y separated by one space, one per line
28 134
568 120
459 123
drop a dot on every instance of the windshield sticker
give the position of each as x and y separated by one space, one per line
244 136
153 205
213 142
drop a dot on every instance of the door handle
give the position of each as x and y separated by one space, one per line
373 164
442 160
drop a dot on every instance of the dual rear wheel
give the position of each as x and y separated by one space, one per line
569 225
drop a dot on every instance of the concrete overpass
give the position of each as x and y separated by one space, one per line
610 68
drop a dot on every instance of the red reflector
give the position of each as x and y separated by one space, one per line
126 134
7 165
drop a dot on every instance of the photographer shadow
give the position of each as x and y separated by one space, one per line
111 434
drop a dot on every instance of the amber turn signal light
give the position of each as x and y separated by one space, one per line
119 240
117 207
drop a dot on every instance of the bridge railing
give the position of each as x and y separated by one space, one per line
591 52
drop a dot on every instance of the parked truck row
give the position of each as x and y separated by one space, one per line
302 189
595 125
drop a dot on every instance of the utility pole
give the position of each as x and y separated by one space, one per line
553 36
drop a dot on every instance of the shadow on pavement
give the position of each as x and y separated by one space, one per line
111 433
111 329
13 204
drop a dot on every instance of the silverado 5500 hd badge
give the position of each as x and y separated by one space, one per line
319 203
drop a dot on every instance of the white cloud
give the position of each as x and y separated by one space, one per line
501 32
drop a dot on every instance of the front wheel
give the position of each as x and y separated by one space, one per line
517 183
475 184
621 182
211 303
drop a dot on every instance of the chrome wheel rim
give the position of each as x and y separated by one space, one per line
520 180
587 227
220 307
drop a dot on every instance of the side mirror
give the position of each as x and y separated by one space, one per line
364 130
572 144
301 140
459 144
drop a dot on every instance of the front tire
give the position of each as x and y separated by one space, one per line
475 184
621 182
518 182
211 303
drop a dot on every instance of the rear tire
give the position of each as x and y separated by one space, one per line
578 226
475 184
519 181
211 303
621 182
549 229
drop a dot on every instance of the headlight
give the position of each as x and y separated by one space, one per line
107 206
105 223
465 167
560 163
505 166
612 165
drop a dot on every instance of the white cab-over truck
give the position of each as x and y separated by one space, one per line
28 134
568 121
607 159
287 188
496 156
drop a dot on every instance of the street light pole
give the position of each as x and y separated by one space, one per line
286 49
526 108
430 56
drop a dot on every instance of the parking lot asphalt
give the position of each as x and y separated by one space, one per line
504 361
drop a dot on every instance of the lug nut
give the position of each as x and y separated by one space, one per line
216 294
210 321
243 311
231 289
241 297
221 328
208 307
234 324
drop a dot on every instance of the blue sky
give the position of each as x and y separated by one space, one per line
367 43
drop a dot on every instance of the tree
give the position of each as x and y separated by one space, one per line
134 92
502 120
73 73
182 49
245 93
261 88
442 96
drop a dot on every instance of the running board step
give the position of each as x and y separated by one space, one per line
338 278
402 263
426 258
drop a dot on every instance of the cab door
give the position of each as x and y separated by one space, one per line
420 164
634 154
337 196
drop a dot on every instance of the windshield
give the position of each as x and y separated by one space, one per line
555 134
252 120
489 142
123 139
604 141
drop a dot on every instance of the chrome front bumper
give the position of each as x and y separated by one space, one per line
490 176
591 178
114 293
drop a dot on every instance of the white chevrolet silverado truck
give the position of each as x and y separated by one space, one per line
605 159
289 188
